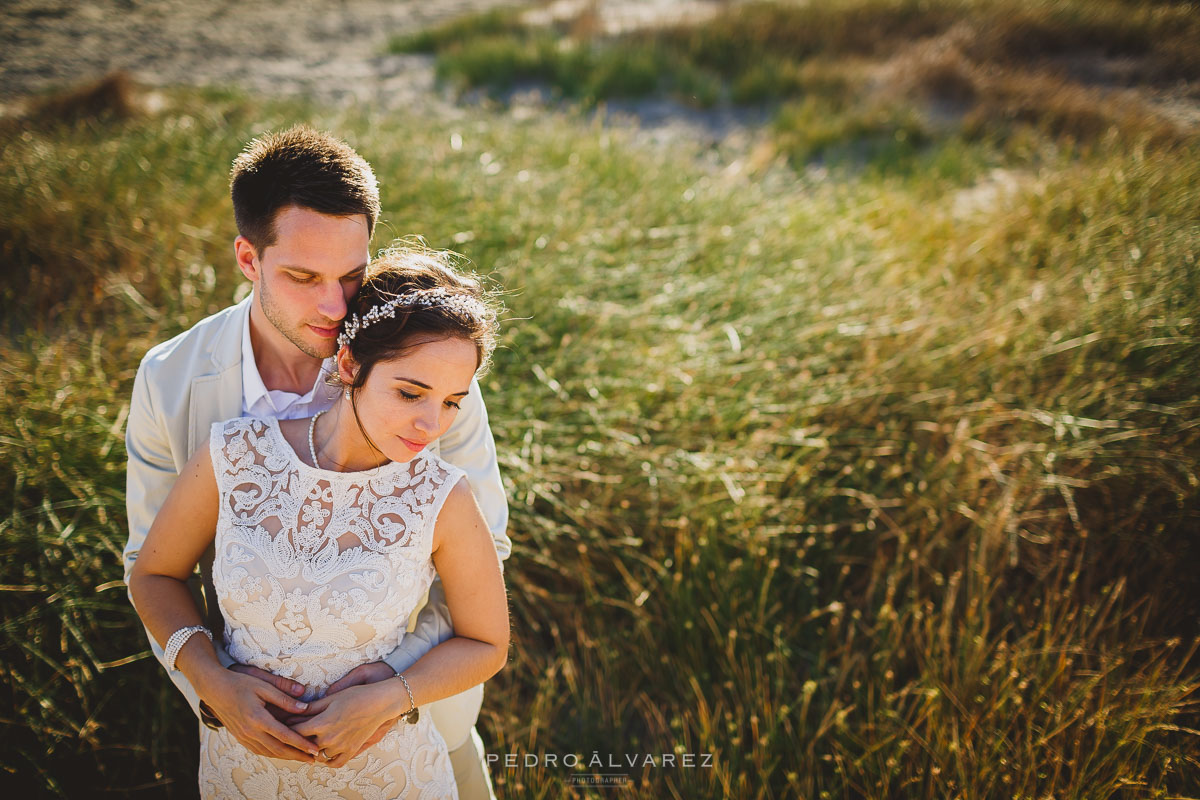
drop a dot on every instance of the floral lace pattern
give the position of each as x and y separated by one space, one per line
317 572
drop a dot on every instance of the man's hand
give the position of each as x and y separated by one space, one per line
361 675
241 701
346 723
285 685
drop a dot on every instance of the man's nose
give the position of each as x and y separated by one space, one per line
332 304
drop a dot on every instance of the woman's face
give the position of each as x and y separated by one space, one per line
410 400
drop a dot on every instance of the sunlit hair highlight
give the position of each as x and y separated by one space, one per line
409 268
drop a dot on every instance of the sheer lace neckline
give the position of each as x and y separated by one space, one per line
383 470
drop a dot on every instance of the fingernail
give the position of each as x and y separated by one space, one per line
303 706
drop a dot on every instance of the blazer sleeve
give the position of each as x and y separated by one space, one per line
468 445
149 476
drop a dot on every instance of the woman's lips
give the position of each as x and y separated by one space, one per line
327 333
416 447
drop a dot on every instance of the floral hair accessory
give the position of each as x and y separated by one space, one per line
460 305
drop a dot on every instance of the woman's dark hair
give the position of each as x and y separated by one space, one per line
411 267
299 167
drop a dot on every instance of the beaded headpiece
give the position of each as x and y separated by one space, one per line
460 305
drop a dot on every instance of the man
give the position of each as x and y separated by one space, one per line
305 205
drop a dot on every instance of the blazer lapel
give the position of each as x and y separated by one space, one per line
217 394
215 398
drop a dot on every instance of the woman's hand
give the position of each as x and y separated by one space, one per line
362 674
240 701
348 721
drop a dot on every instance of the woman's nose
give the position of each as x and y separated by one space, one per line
426 421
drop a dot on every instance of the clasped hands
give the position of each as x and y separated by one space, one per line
262 711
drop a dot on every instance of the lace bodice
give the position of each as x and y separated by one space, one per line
317 571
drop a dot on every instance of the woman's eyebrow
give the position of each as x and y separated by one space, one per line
426 386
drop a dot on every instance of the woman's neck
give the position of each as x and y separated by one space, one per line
341 444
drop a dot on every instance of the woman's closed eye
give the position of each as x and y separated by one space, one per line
412 396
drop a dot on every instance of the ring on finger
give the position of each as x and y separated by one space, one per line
325 756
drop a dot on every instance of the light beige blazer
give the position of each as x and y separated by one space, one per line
187 383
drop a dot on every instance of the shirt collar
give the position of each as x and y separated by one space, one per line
253 388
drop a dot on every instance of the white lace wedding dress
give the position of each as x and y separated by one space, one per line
317 572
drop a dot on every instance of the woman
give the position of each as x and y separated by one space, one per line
327 534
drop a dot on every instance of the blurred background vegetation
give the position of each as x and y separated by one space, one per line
869 466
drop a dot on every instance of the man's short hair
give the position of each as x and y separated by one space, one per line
299 167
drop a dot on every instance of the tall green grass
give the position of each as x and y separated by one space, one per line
875 82
746 37
872 486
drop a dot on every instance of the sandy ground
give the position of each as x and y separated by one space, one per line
333 52
329 50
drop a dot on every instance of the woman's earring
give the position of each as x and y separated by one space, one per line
347 394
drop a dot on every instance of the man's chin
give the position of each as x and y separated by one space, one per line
324 351
315 346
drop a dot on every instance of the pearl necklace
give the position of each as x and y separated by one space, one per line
312 450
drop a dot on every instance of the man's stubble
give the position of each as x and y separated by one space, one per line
278 319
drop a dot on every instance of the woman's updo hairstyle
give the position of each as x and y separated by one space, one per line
453 304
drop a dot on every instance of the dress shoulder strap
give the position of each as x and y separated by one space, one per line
443 476
242 443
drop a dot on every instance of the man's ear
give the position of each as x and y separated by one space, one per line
247 259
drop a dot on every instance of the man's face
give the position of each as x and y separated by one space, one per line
303 282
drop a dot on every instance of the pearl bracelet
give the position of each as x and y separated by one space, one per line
178 639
